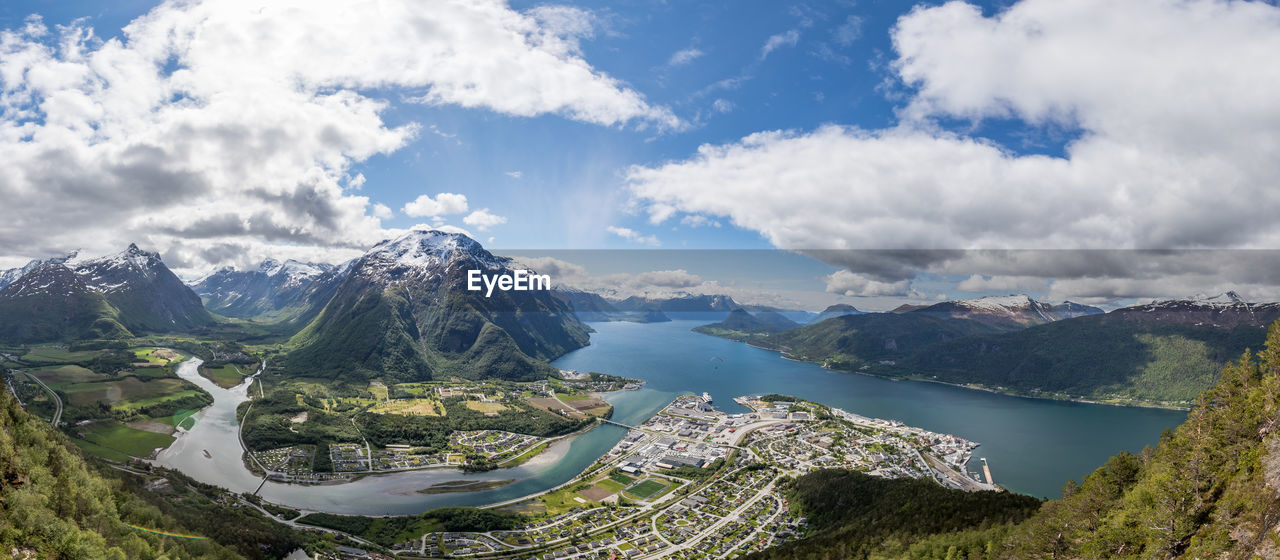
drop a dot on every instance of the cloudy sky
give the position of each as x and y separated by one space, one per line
1091 150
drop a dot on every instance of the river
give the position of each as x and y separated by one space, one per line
1033 445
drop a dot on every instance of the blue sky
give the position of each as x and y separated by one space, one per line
226 132
826 68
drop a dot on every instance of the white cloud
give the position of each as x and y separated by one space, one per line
722 105
1176 108
443 204
382 212
233 123
789 39
684 56
515 174
633 235
482 219
852 284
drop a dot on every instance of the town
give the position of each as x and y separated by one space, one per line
695 482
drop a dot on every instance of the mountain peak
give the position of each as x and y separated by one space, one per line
269 266
428 248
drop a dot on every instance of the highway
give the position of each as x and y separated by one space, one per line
57 415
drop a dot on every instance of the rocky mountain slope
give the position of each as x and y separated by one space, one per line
291 292
404 312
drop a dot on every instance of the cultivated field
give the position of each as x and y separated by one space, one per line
408 407
486 407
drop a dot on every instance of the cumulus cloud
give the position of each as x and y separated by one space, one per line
482 219
633 235
852 284
382 211
1174 106
788 39
243 120
440 205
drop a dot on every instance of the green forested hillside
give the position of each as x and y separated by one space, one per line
852 514
1115 358
851 341
55 505
1211 489
1092 357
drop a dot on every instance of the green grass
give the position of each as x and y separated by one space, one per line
646 489
59 377
226 376
619 477
127 393
100 451
562 500
611 485
123 439
185 419
524 457
48 354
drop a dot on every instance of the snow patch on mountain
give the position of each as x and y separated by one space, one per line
427 251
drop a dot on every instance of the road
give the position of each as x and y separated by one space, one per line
692 541
57 416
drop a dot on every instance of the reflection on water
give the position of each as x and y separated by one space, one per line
1033 445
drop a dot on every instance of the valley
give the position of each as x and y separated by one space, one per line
381 387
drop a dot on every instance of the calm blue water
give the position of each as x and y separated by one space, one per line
1033 445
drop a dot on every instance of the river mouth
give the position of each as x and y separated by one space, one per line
1033 445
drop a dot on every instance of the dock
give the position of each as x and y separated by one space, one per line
986 472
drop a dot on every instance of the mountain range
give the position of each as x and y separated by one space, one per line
289 291
111 297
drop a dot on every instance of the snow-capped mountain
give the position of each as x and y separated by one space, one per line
272 288
50 302
1015 309
106 297
404 311
10 276
1222 310
147 295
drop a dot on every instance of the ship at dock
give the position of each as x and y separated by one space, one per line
706 397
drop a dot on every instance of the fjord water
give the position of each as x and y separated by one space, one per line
1033 445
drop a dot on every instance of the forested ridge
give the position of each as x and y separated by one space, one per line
54 504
